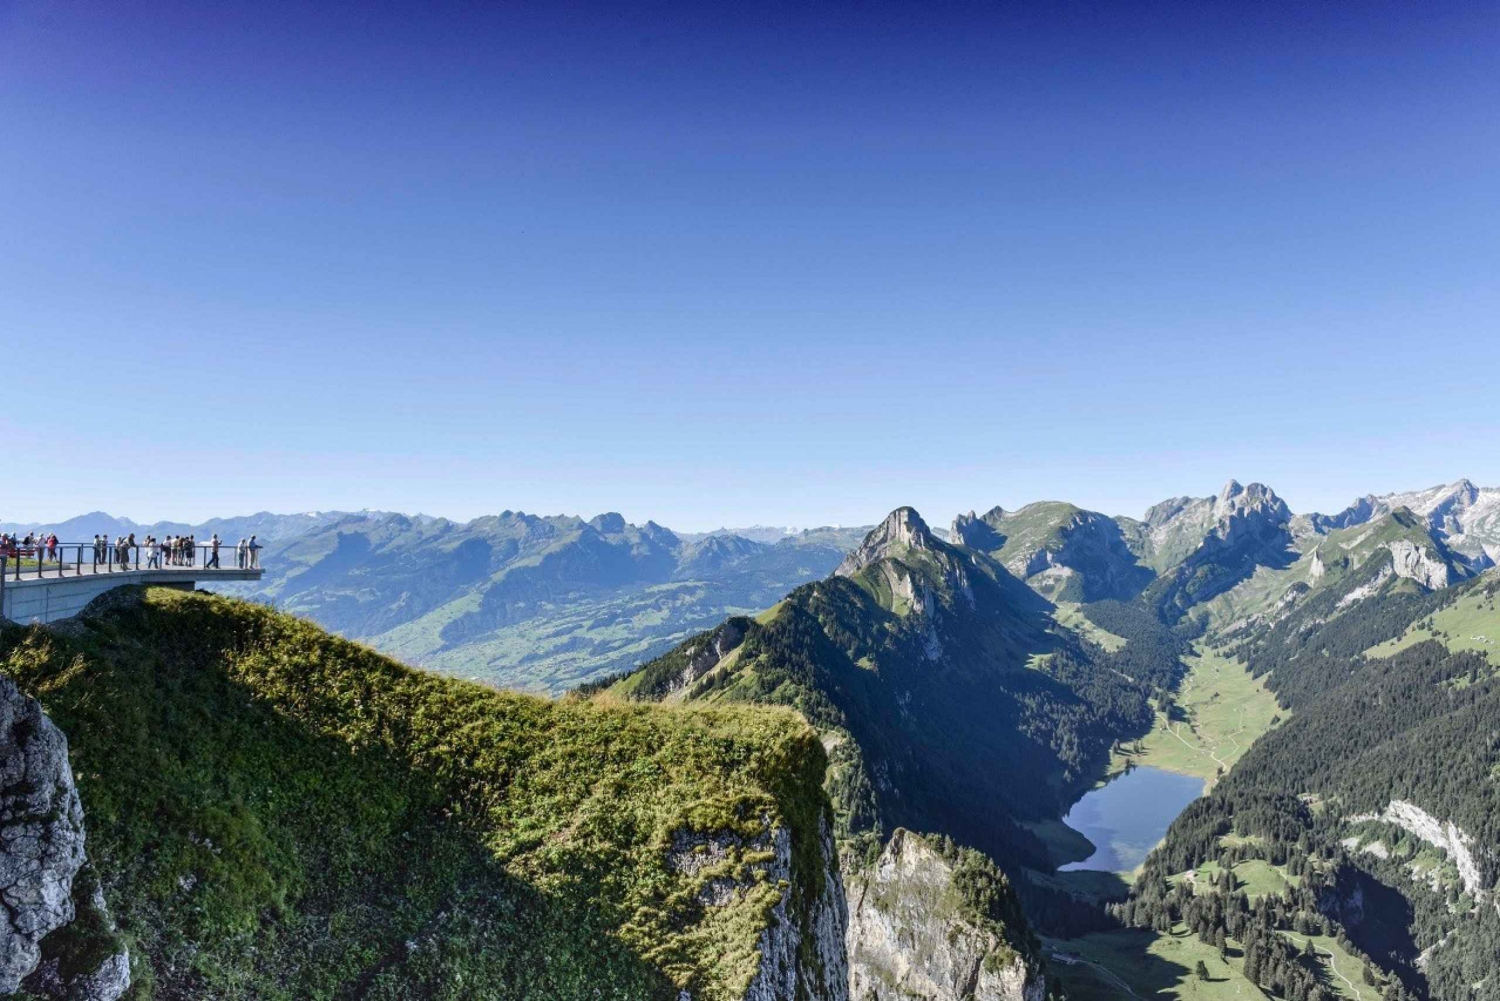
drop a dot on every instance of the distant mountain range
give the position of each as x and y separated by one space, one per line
267 527
548 602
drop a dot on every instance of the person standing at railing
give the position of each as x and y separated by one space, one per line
240 554
52 547
212 563
153 553
254 550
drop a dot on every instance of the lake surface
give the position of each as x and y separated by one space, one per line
1127 818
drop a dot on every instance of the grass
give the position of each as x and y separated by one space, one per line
277 813
1069 615
1118 964
1163 966
1253 877
1343 973
1220 711
1470 624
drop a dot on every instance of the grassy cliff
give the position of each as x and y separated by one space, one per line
278 813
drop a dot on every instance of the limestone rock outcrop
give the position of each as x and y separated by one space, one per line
802 945
1421 565
45 884
41 833
909 937
902 530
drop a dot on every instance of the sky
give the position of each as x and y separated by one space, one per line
720 264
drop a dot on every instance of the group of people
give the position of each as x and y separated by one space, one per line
182 551
173 551
33 544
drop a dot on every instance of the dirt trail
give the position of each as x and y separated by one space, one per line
1334 966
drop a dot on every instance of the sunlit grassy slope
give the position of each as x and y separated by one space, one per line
1470 623
1220 710
280 814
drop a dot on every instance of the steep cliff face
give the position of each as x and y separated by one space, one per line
42 874
1419 563
902 532
802 954
41 843
914 934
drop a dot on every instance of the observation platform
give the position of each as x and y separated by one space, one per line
59 587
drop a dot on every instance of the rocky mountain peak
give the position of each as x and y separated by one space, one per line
902 530
609 523
1257 497
978 531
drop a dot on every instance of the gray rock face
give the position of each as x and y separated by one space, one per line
107 978
903 529
706 657
908 940
41 833
1415 563
108 982
784 972
787 968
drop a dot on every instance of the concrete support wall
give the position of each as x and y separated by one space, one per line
51 599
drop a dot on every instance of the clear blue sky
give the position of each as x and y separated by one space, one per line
710 263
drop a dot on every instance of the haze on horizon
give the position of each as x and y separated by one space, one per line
723 267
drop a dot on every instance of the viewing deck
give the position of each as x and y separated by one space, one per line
50 589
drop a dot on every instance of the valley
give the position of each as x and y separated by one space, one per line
1217 712
1219 751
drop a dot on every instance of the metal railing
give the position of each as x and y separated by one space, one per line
82 559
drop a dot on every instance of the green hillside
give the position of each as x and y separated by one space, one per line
1061 550
532 603
951 700
278 813
1470 622
1410 724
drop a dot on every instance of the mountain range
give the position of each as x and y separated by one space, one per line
544 603
830 766
966 689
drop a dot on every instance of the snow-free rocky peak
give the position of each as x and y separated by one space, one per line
1463 516
902 531
1257 498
